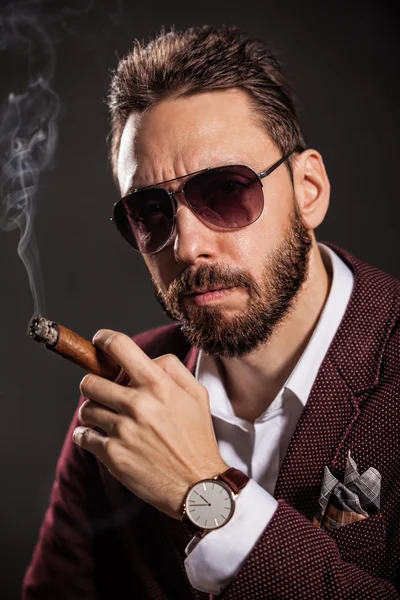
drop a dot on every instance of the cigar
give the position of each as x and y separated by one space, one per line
75 348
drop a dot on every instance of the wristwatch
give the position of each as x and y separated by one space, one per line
210 503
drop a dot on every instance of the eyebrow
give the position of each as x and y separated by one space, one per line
132 188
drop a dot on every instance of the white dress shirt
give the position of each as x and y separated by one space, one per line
258 449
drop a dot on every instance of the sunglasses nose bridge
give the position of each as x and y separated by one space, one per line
173 194
179 204
176 200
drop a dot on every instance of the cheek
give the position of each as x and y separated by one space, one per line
162 267
271 227
152 267
259 239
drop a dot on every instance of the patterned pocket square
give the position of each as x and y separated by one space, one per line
354 500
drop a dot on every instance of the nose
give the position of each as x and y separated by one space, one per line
194 241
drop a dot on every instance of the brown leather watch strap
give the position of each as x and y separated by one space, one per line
234 478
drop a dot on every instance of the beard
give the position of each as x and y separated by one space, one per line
220 334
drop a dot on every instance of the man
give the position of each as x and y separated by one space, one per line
255 452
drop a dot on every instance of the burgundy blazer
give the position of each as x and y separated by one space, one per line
100 542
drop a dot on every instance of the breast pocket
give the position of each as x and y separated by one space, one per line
363 543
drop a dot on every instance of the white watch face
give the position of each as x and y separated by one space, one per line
210 504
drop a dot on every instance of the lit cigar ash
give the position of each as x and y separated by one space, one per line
73 347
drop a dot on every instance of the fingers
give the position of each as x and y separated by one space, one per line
151 374
180 374
141 369
95 415
128 355
91 440
104 392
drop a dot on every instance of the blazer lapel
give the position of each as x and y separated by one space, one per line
323 426
190 359
349 371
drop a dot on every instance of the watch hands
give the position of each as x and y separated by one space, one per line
200 504
202 497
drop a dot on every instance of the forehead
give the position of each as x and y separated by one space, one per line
182 135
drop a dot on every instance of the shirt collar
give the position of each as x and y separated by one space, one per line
301 380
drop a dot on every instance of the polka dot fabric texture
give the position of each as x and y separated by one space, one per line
98 541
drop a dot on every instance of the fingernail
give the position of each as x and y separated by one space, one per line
96 337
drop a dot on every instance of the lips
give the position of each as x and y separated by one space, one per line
215 288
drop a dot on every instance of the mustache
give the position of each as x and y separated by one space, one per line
207 276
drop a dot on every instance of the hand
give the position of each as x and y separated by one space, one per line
158 434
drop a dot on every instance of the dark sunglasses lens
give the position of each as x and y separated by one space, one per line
229 196
145 219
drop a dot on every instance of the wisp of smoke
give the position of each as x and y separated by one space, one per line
28 133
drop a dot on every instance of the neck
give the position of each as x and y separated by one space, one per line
253 381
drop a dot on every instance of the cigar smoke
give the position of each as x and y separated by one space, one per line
30 31
28 132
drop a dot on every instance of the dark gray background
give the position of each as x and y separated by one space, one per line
343 60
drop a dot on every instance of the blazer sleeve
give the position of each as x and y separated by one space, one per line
62 562
295 559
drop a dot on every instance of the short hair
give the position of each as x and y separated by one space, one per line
203 59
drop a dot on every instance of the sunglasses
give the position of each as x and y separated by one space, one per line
229 197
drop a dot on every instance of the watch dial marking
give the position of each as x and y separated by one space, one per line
209 505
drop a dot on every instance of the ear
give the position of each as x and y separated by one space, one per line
312 187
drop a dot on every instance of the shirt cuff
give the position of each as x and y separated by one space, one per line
214 560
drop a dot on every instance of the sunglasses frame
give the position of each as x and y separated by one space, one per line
188 177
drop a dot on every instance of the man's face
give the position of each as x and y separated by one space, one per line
261 267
